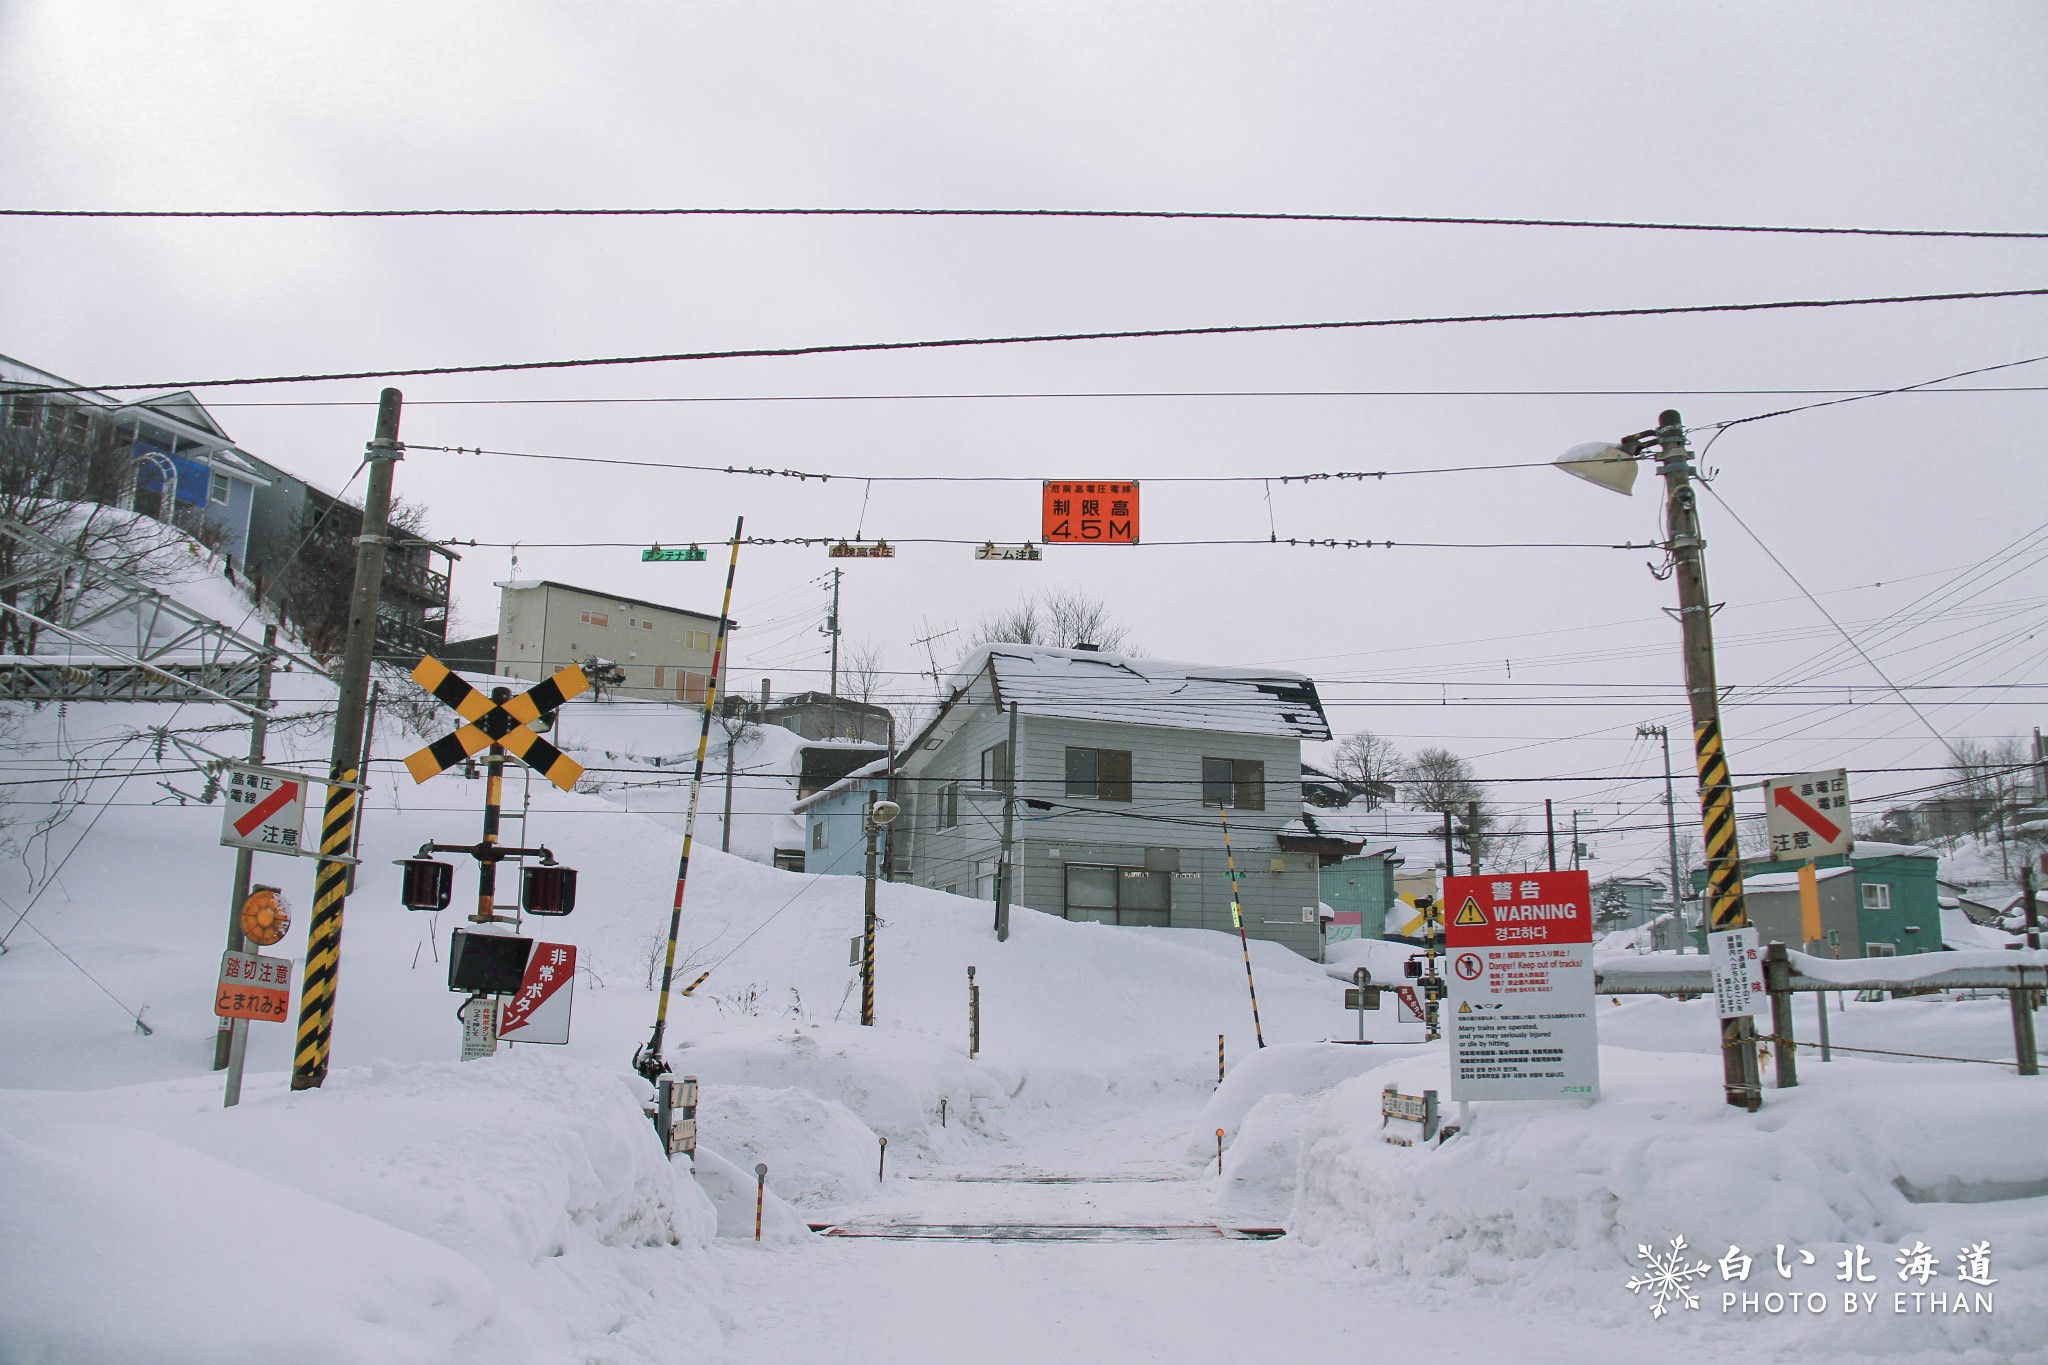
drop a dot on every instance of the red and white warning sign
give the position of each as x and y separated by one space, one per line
539 1013
1808 815
1090 512
266 809
1520 986
253 987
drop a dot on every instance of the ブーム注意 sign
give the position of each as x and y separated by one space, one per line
1520 1000
1091 512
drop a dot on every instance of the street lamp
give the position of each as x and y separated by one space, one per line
878 816
1612 465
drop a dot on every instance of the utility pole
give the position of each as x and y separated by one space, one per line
245 859
832 629
1550 832
1450 868
330 881
1725 904
1006 869
1472 837
1670 822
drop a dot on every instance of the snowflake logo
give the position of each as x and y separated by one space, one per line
1668 1277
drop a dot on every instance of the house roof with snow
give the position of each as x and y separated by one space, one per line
1081 684
856 779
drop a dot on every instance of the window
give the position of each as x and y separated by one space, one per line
1880 950
660 676
819 838
1239 782
1877 896
594 618
995 766
949 805
691 687
21 411
637 623
698 640
218 492
1118 895
1099 774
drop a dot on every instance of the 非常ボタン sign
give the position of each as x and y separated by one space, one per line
1091 512
1521 987
1738 962
253 987
265 809
1807 816
539 1012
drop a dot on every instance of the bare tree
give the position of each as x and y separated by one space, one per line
1438 780
60 467
319 582
862 675
1059 616
1371 763
736 718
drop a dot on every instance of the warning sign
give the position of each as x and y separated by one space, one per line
1091 512
1738 962
1807 816
265 809
253 987
1522 1022
539 1013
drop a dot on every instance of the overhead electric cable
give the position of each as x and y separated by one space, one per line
1130 334
1194 215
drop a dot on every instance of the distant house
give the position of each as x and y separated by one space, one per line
820 715
1359 889
835 822
1628 902
1119 773
165 456
1880 901
544 626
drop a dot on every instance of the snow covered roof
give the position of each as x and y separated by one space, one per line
1877 848
1081 684
1789 881
1959 931
878 768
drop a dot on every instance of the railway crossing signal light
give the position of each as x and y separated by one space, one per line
427 884
548 890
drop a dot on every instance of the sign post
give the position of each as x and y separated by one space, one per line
539 1011
265 809
1738 962
1521 986
1807 815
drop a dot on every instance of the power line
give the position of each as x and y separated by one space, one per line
1132 334
1192 215
1720 427
1118 394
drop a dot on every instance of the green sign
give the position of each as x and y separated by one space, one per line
657 555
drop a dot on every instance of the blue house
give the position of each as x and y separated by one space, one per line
835 839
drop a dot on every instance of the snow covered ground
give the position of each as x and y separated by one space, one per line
518 1209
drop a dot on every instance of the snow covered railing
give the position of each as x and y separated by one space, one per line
1974 969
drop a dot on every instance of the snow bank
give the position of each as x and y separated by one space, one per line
513 1209
1551 1201
733 1192
824 1156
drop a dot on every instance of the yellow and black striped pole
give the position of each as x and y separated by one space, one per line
648 1060
323 936
1725 909
337 826
1237 918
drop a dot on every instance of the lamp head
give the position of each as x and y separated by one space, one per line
883 814
1601 462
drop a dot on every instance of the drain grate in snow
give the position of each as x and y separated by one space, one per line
1046 1232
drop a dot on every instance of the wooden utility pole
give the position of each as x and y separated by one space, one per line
1006 870
1725 905
330 882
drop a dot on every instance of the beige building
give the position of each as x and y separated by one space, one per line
544 626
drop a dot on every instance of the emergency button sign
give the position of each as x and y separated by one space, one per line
1091 512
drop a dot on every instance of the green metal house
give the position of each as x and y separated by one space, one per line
1889 894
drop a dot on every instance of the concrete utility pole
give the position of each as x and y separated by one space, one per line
1550 832
1670 822
245 859
1006 869
1726 907
330 881
832 629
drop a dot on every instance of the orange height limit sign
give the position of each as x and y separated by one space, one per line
1091 512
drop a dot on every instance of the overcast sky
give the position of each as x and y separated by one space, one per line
1911 115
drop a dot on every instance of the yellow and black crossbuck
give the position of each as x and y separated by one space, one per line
502 723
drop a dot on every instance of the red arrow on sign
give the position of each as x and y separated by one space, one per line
1790 800
286 793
